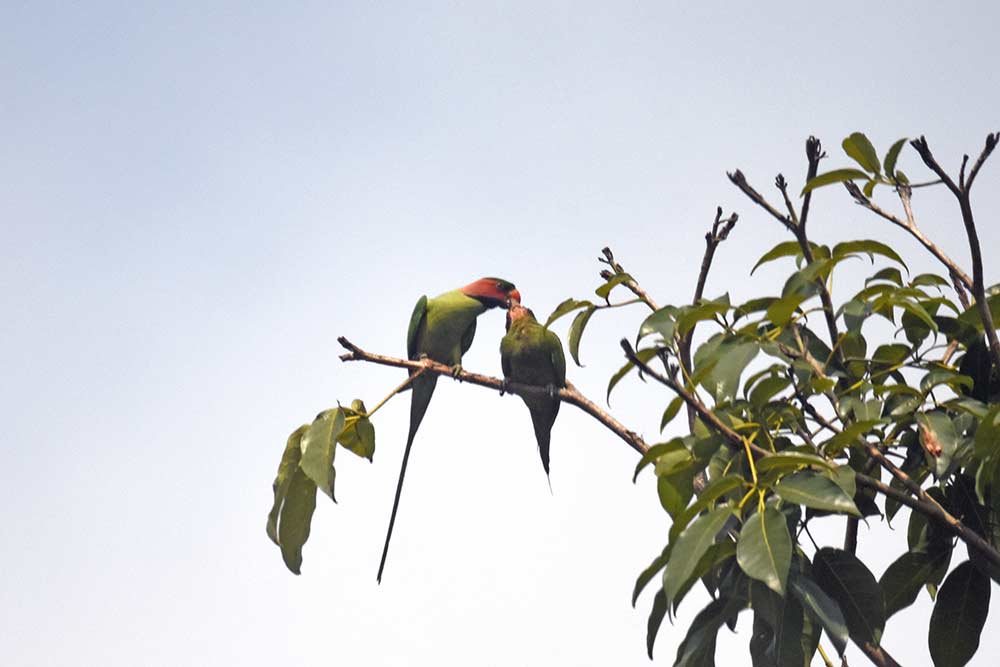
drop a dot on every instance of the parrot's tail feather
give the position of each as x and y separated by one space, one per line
422 391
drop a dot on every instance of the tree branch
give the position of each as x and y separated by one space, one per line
962 193
631 284
568 395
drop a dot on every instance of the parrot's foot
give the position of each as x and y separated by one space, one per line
504 386
456 370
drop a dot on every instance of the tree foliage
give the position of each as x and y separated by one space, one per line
799 407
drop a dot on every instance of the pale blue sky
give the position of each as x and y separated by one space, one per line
197 198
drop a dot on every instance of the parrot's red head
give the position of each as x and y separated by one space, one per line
518 312
493 292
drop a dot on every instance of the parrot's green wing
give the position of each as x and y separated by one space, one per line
506 352
558 359
467 337
413 333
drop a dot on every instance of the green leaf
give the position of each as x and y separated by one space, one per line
651 571
890 273
869 247
645 355
295 519
959 616
846 579
732 357
358 434
656 615
783 249
941 430
691 545
849 436
903 579
782 627
859 149
663 322
764 550
567 306
576 331
672 409
689 316
822 607
817 491
655 452
791 460
712 560
869 188
891 155
835 176
319 447
698 647
289 463
714 490
675 490
605 290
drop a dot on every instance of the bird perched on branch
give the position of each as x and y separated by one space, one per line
442 329
531 354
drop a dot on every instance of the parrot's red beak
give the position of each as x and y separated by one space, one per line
513 297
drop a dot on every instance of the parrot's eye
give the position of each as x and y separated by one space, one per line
500 286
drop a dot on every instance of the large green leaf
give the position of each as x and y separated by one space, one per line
655 452
732 357
318 449
783 624
822 607
764 550
959 616
714 490
663 322
289 463
869 247
691 545
835 176
567 306
792 460
671 411
295 519
711 562
576 332
698 647
859 149
903 579
811 489
783 249
846 579
675 490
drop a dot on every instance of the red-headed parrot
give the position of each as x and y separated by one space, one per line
442 329
531 354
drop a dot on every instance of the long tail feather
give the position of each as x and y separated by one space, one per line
423 389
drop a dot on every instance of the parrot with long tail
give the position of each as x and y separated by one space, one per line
531 354
442 329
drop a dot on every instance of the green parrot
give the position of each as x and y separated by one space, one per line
531 354
442 329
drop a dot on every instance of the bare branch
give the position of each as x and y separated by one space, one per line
740 181
814 153
991 143
631 284
568 395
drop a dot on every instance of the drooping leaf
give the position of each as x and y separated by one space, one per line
764 550
319 448
295 519
846 579
358 434
859 149
289 463
731 357
783 249
645 355
783 621
812 489
718 487
655 619
691 545
822 607
959 616
698 647
651 571
655 452
835 176
672 409
576 332
567 306
903 579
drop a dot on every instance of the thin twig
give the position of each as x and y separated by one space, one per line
568 395
631 284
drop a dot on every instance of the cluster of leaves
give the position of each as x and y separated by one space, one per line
740 535
307 465
860 149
